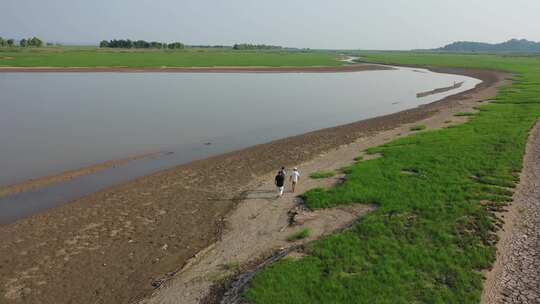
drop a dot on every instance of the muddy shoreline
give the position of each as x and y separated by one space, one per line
110 246
262 69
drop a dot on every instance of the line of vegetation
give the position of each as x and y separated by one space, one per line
30 42
248 46
139 44
300 235
322 174
464 114
433 231
418 128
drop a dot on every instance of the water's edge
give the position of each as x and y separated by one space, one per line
31 202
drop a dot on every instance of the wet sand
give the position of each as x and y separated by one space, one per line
110 246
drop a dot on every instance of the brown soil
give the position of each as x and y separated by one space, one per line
49 180
110 246
313 69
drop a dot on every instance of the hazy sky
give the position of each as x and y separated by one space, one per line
365 24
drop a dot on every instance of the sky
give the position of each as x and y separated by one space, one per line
320 24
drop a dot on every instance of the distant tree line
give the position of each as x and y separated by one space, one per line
205 46
247 46
139 44
34 41
510 46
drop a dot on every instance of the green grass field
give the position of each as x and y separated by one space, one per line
92 57
433 231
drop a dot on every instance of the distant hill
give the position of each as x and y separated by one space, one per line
510 46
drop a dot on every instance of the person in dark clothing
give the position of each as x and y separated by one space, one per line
280 182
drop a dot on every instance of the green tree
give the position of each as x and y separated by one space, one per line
156 45
141 44
104 44
34 41
175 45
23 43
2 42
10 42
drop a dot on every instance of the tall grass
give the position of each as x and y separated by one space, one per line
434 229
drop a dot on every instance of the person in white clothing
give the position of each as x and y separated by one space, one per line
295 177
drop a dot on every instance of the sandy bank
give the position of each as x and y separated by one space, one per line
110 246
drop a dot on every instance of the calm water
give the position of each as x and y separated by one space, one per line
52 122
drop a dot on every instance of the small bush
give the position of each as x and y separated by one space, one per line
232 266
302 234
464 114
418 128
322 174
346 170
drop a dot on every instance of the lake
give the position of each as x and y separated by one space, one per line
53 122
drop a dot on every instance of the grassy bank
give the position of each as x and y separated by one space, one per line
436 190
92 57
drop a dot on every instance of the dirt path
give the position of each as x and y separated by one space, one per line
258 226
109 247
515 277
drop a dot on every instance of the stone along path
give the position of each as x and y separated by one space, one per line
515 277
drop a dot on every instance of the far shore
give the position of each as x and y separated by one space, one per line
112 245
217 69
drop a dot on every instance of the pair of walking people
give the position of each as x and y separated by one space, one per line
280 180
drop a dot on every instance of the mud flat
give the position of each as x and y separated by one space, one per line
111 246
